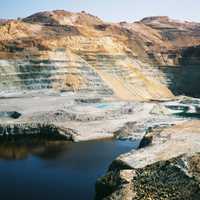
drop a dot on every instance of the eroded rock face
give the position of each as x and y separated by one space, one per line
177 178
14 132
65 51
185 78
165 168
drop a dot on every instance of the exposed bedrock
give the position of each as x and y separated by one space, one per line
22 131
63 51
105 74
61 74
190 56
167 167
174 179
74 116
184 78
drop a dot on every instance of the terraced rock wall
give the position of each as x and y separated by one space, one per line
51 73
65 51
128 77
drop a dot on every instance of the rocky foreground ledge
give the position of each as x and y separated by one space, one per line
81 118
167 168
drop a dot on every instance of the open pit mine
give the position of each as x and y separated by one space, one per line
73 77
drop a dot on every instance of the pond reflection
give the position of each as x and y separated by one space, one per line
56 170
47 150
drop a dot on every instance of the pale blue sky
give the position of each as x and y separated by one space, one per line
109 10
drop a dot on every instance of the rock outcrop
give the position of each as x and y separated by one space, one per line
167 168
13 132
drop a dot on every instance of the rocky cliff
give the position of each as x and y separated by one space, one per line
64 51
167 168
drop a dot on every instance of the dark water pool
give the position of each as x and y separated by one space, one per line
56 171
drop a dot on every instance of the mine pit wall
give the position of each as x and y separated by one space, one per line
89 72
38 74
105 74
183 80
183 77
128 77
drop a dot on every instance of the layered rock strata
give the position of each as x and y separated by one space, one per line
60 50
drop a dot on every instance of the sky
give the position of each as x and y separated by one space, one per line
108 10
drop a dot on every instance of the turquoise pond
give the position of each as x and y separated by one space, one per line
103 106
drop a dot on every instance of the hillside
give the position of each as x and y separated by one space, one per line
64 51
